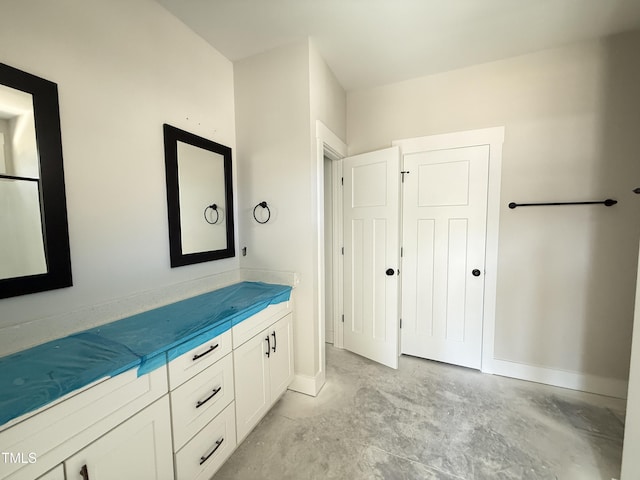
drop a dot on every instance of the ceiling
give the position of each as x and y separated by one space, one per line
374 42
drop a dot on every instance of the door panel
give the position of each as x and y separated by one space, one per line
253 388
138 448
444 225
371 246
281 360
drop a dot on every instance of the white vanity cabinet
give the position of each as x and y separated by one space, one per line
202 408
138 448
179 421
263 370
55 474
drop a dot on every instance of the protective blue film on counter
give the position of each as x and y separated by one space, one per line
150 333
32 378
35 377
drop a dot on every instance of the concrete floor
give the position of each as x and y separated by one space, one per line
429 420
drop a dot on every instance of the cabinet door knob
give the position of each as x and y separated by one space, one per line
84 473
268 352
275 341
475 272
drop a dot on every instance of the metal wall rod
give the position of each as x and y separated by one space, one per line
13 177
607 203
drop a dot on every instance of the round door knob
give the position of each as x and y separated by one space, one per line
475 272
390 271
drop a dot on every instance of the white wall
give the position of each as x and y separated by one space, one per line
566 274
123 69
328 103
272 119
279 96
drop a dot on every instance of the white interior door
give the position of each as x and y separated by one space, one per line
371 255
444 234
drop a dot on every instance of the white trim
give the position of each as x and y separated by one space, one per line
611 387
338 264
337 148
631 445
468 138
329 144
494 137
308 385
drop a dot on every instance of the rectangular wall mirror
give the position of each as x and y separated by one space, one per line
34 238
199 198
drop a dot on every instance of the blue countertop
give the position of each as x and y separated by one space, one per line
35 377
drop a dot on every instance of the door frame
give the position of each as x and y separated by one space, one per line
329 145
494 137
630 460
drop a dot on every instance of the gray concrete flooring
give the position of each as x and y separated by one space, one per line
429 420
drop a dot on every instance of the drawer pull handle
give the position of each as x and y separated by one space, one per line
205 458
268 352
84 473
213 347
202 402
275 341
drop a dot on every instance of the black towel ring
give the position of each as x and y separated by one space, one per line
213 207
263 205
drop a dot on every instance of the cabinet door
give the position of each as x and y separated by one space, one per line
55 474
139 448
251 367
281 360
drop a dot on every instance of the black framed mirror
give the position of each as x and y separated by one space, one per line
199 198
34 235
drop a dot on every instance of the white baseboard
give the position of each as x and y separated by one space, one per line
611 387
307 384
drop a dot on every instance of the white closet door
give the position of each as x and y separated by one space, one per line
371 255
444 235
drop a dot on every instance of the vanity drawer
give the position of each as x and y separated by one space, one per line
196 360
196 402
253 325
207 451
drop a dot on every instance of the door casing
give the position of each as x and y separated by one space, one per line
329 145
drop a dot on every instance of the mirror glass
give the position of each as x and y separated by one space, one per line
201 184
199 198
34 239
22 251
